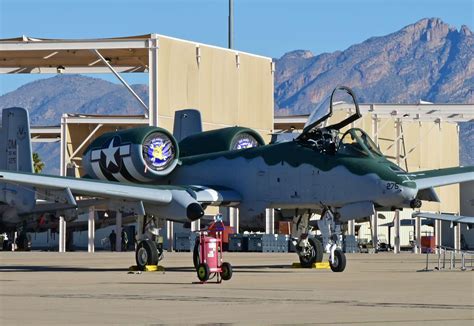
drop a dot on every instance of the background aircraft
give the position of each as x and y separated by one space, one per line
342 176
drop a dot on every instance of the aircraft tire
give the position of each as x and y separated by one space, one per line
319 249
339 261
146 254
316 256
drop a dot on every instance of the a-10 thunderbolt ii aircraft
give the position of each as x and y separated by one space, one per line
145 171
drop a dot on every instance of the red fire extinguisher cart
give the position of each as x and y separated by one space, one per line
209 250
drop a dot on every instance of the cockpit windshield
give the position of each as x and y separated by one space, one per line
355 142
341 96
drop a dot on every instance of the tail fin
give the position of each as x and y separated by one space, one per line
15 141
16 145
186 123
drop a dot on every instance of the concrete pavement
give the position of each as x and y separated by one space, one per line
45 288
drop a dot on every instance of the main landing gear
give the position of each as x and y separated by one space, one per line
310 250
149 250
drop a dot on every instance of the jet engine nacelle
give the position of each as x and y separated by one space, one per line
225 139
142 155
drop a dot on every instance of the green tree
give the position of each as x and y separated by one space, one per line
38 165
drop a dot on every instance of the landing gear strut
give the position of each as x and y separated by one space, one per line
149 250
309 250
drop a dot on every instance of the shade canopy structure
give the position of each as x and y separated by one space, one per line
228 86
24 55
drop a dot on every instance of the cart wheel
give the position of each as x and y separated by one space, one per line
146 254
203 272
339 261
226 273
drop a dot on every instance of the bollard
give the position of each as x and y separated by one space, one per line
451 260
463 268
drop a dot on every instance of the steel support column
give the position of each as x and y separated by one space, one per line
351 227
457 237
153 80
170 235
62 234
396 240
91 230
375 231
15 238
418 235
63 159
269 221
234 218
118 230
438 234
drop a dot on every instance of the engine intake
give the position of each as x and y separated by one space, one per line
225 139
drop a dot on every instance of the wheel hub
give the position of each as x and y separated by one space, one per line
142 256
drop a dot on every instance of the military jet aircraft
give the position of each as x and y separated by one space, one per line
340 175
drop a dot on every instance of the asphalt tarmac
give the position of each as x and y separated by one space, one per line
46 288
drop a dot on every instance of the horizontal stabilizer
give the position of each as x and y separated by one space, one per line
442 177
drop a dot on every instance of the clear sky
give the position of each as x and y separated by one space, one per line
266 27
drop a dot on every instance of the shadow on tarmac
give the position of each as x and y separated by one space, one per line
36 268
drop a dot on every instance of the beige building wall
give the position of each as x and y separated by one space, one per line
228 87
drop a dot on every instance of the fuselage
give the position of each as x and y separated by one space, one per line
292 175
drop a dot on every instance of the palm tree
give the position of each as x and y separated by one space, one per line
38 165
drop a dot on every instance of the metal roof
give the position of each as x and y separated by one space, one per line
39 55
423 112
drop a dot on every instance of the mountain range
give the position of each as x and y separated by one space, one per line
428 60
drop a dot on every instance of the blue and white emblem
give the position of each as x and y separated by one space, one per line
158 151
244 141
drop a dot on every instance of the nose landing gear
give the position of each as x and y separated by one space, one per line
310 250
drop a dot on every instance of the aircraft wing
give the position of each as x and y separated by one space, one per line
87 187
172 202
442 177
446 217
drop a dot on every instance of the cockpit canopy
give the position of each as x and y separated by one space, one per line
326 139
341 95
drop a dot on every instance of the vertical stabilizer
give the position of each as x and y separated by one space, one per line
186 123
15 141
15 146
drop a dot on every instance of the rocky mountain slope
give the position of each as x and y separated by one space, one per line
428 60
